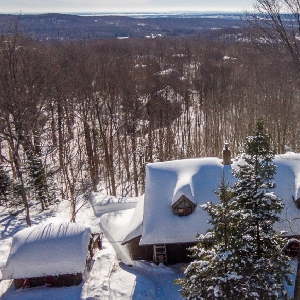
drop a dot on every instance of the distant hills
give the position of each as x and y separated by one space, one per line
55 26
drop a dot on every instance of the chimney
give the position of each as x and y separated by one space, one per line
226 155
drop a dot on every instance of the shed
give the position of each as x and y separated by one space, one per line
52 254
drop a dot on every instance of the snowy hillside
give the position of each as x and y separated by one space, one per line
113 274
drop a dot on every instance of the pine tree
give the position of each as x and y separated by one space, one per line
39 181
214 273
265 266
240 256
5 186
10 194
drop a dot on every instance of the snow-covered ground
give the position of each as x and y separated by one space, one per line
113 275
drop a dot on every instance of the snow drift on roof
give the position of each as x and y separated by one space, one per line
287 182
184 186
48 249
135 227
197 179
165 182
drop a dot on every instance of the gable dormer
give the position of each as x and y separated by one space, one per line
297 202
183 206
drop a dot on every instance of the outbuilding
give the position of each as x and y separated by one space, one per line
53 254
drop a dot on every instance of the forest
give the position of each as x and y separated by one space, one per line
88 115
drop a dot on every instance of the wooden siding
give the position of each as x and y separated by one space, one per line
138 252
56 281
176 253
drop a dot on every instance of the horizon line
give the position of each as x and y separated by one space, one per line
126 13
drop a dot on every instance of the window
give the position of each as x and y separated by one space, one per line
183 206
297 202
180 210
184 211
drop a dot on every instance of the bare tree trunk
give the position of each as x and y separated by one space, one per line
72 204
19 173
111 162
60 145
135 173
90 156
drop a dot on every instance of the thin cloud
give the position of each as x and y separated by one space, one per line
27 6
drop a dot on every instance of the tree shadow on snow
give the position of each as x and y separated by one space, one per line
154 281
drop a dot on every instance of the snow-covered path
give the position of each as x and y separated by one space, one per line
113 274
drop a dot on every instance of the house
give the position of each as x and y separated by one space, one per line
168 218
53 254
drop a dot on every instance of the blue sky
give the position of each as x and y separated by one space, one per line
27 6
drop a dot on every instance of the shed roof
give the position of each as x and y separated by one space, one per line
48 249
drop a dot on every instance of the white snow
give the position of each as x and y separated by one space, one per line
184 186
113 275
166 72
135 227
198 179
165 183
287 188
229 58
48 249
110 278
169 94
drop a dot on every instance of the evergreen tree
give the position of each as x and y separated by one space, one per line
214 273
10 194
240 256
265 268
5 186
39 181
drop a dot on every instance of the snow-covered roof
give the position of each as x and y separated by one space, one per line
135 227
197 179
48 249
166 182
287 182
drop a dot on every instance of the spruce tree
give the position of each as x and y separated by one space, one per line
213 274
241 255
5 186
265 267
39 181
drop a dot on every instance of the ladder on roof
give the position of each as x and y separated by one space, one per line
160 254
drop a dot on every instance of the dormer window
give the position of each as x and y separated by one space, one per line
297 202
183 206
184 211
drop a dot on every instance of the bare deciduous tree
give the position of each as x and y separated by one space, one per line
276 24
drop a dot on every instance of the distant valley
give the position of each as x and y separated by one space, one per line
67 26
